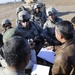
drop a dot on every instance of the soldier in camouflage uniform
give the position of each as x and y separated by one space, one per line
6 24
49 26
38 16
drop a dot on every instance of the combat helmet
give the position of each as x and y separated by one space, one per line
5 22
23 15
19 9
37 5
50 11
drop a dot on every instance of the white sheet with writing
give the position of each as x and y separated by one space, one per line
40 70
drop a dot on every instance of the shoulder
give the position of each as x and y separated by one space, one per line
46 23
12 30
61 57
35 24
60 19
9 33
1 71
70 50
62 53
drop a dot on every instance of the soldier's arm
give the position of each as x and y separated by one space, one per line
47 37
39 28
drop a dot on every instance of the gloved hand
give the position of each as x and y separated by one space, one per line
31 43
39 39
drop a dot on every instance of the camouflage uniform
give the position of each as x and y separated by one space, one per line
49 26
39 17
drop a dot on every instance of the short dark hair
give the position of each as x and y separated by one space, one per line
66 29
15 50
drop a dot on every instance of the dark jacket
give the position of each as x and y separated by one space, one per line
31 32
64 63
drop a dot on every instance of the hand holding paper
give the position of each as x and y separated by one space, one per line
49 48
47 55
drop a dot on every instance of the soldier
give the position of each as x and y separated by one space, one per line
19 9
49 26
28 30
38 16
43 7
6 24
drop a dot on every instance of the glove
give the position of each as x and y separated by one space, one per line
39 39
31 43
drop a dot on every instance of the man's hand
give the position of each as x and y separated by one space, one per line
49 48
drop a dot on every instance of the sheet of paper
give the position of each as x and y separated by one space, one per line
40 70
48 55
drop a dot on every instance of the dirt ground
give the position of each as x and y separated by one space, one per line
65 8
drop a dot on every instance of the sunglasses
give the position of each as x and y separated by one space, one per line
25 20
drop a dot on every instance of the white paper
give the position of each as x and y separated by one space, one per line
48 55
40 70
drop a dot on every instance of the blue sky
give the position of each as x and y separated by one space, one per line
4 1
